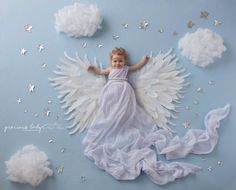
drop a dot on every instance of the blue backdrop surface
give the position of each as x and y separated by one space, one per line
18 71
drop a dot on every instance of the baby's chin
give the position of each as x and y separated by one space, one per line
118 67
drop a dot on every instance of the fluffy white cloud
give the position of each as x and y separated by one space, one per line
28 165
78 20
202 46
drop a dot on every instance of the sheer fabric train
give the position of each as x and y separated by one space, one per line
120 136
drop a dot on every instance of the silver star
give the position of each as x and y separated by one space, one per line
25 111
44 65
211 82
174 33
190 24
40 47
31 88
199 90
99 45
36 115
210 168
186 124
197 115
220 162
217 22
28 28
63 150
47 112
84 45
204 14
115 37
50 141
49 101
160 30
125 25
143 25
195 102
187 107
23 51
19 100
60 169
83 178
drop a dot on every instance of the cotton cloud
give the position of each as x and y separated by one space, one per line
28 165
78 20
202 46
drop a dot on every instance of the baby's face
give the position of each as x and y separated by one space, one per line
117 61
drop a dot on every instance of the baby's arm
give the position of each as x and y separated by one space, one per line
138 65
98 71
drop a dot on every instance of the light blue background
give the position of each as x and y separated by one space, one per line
17 71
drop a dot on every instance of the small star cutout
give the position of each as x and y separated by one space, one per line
204 14
25 111
84 45
36 115
186 124
160 30
44 65
115 37
210 168
23 51
195 102
49 101
187 107
217 22
19 100
63 150
190 24
125 25
200 90
99 45
220 163
83 179
143 25
50 140
60 169
174 33
40 47
28 28
31 88
47 112
211 82
196 115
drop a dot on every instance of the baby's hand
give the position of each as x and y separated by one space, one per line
146 58
90 68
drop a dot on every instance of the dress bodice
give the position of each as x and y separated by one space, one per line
119 73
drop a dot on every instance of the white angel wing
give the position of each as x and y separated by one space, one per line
158 86
78 90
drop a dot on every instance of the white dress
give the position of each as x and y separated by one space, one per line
120 136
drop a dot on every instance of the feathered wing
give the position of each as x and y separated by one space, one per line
78 90
158 86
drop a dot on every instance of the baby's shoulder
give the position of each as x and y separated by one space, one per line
109 69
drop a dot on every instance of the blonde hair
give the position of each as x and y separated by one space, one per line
119 51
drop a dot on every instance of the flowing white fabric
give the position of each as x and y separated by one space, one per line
120 136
